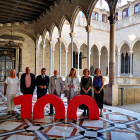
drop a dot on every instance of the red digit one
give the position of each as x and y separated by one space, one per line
86 100
26 105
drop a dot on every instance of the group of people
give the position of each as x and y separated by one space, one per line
54 85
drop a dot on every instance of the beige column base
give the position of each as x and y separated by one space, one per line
111 94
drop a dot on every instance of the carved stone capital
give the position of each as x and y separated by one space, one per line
72 35
43 46
66 51
59 40
130 52
99 54
88 28
112 19
51 43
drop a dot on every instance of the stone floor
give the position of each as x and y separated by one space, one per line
116 124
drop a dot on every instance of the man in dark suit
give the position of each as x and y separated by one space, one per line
27 82
42 83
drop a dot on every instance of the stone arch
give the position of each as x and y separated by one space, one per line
97 45
122 43
104 61
64 42
90 10
77 44
62 21
38 41
20 31
52 28
105 45
45 36
74 15
136 59
133 43
94 57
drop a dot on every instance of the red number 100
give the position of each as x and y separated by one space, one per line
38 112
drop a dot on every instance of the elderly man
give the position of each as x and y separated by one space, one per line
55 87
42 83
27 82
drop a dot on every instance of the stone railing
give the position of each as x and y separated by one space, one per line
131 20
95 24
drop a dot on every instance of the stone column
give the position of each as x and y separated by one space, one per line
66 62
78 62
43 48
17 60
112 88
119 62
71 36
124 63
37 61
53 60
108 64
99 59
88 30
131 66
60 41
51 46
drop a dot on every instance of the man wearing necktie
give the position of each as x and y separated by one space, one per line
42 83
55 87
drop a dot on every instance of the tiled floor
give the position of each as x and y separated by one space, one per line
116 124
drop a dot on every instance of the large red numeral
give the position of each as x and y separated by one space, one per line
38 111
26 105
86 100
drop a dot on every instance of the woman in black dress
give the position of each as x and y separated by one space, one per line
86 85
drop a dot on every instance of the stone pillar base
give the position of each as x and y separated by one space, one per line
111 94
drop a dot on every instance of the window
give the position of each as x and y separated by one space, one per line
137 8
83 15
104 18
125 12
95 16
75 60
125 63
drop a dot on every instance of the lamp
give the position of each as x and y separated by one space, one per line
11 43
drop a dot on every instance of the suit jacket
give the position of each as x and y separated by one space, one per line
22 83
75 83
41 82
58 86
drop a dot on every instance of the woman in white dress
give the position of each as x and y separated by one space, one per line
10 90
71 85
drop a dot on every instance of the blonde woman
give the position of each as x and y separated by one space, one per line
71 85
10 90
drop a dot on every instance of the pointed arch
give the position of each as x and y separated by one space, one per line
122 43
90 10
74 15
45 36
105 45
77 44
62 21
65 43
97 45
133 43
83 42
52 28
38 41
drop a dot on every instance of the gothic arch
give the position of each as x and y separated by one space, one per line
122 43
90 10
133 43
51 30
74 15
62 21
